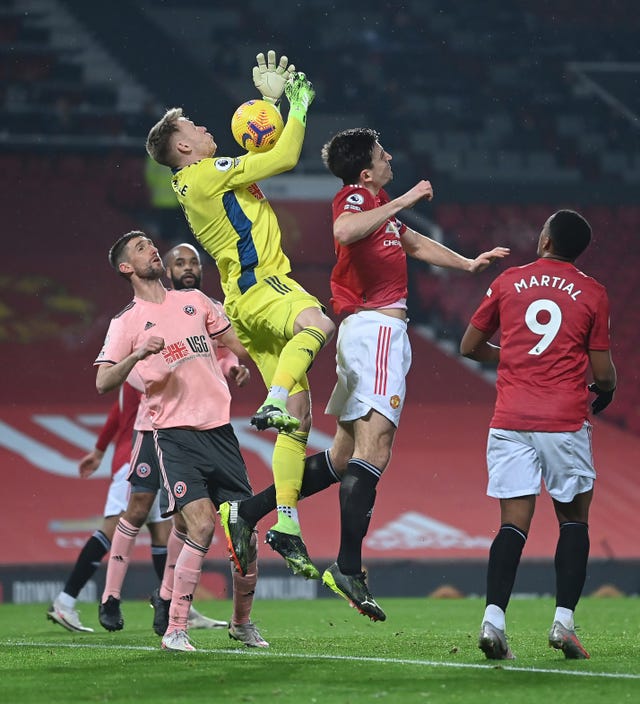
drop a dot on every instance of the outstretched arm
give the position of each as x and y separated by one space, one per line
427 250
284 155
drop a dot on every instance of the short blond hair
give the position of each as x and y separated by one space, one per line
159 137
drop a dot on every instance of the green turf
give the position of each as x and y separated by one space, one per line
323 651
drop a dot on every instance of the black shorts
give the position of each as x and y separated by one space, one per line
200 464
144 471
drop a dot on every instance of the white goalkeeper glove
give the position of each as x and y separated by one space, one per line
270 79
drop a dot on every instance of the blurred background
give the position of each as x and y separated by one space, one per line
512 110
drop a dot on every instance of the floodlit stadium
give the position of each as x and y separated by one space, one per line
512 111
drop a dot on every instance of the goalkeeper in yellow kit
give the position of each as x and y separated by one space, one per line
281 325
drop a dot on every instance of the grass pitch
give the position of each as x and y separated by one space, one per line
322 651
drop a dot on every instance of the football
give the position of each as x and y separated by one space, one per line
257 125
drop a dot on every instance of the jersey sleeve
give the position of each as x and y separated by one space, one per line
211 176
357 199
487 315
226 358
352 199
599 336
117 345
217 322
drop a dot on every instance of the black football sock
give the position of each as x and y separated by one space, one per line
572 554
357 496
504 558
159 559
87 563
318 475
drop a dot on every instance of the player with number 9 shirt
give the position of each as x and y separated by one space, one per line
554 328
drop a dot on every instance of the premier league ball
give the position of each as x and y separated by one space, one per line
257 125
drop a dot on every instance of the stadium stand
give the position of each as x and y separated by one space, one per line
502 107
516 97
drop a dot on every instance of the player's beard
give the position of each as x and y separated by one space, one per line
152 272
178 284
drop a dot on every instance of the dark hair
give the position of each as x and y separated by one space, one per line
116 253
347 153
570 234
159 139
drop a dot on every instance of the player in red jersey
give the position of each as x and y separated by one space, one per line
369 284
166 336
118 428
554 329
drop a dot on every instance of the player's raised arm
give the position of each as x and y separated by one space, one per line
269 78
285 154
300 94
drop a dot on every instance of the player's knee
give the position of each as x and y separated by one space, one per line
328 327
138 508
305 422
379 457
201 532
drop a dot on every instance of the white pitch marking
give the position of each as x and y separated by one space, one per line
259 652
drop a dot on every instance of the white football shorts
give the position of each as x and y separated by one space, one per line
519 460
372 360
118 495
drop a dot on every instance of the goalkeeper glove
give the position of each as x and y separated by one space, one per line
602 399
269 79
300 94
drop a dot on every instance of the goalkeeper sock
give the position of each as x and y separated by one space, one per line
288 466
297 356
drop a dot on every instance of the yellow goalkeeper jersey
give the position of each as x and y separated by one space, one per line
230 216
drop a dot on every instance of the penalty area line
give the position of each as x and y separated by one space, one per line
259 652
